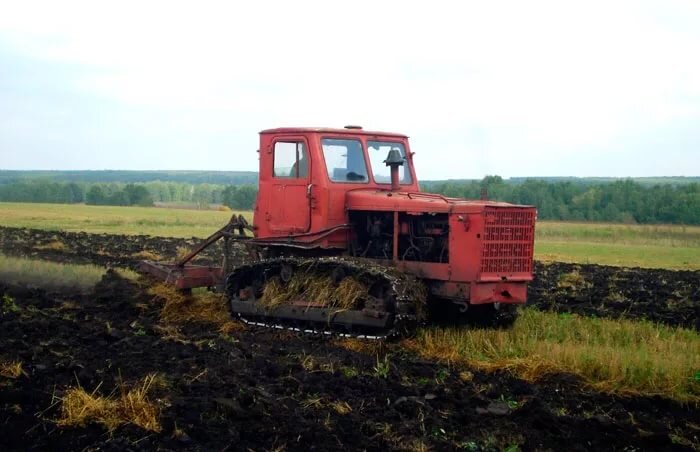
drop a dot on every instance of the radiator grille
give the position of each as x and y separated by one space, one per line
508 241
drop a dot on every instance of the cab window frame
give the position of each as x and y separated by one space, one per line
368 177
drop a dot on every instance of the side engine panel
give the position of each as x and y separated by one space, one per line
421 237
482 256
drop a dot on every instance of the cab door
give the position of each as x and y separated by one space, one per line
290 204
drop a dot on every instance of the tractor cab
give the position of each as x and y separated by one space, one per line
306 173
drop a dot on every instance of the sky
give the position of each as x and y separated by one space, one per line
536 88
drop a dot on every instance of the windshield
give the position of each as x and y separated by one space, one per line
378 151
345 161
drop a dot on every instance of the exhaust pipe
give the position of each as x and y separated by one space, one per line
394 160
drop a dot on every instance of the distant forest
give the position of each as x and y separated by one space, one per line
239 197
107 176
251 177
621 201
673 200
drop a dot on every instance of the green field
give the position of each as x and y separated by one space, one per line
163 222
654 246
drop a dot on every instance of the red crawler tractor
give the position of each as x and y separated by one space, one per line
345 242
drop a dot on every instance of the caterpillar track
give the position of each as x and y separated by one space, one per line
329 296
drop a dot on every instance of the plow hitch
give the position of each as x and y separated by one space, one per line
184 276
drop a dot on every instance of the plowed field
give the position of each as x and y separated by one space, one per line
254 389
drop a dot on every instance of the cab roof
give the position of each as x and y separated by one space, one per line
345 131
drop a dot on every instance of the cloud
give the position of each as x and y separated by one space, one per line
490 81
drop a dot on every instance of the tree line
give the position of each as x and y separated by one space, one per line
624 201
125 176
251 177
239 197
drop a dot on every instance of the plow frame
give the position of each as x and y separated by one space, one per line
184 276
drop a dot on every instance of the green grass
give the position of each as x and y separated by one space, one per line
114 220
628 234
617 356
619 254
37 273
653 246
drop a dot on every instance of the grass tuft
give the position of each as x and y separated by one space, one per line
180 308
128 274
361 346
314 288
573 281
55 245
617 356
341 408
129 406
147 255
181 252
11 369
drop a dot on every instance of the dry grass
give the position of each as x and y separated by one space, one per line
574 281
128 406
181 252
129 274
320 289
617 356
318 402
55 245
180 308
147 255
341 408
361 346
11 369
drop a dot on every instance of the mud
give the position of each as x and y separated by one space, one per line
266 390
99 249
664 296
669 297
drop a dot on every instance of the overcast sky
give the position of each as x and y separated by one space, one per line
609 88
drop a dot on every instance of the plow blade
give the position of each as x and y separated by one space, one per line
182 277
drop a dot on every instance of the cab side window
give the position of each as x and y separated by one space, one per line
290 160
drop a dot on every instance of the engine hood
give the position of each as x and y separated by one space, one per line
385 200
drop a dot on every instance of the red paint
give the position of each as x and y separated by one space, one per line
490 243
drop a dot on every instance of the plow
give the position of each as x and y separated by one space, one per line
343 242
185 276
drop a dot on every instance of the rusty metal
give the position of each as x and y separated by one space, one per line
183 277
235 228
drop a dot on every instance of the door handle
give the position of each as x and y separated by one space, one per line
308 190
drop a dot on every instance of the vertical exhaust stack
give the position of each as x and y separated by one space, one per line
394 160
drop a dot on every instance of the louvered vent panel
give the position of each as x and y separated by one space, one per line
508 241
